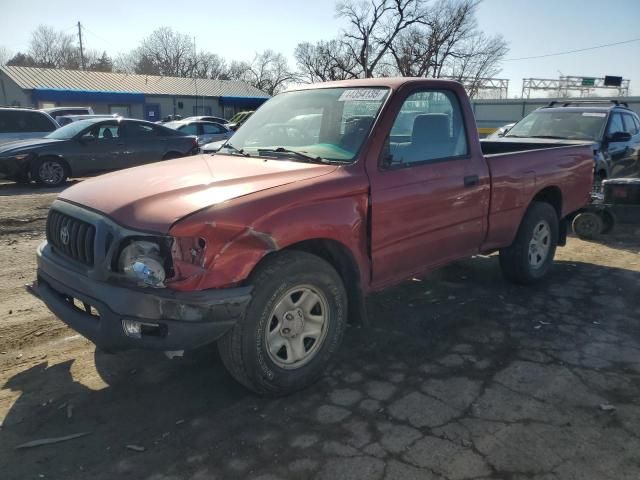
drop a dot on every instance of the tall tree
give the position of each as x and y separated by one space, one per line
325 61
101 64
5 55
53 49
373 26
171 53
269 71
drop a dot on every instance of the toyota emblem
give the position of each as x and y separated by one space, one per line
64 235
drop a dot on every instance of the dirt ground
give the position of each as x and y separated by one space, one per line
461 376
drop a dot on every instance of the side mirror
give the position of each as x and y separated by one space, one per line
85 139
619 137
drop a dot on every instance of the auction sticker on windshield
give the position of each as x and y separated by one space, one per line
363 94
593 114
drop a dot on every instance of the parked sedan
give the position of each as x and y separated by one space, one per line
91 146
206 132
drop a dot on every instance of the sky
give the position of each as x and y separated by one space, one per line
238 29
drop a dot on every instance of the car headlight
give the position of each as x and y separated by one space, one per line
141 261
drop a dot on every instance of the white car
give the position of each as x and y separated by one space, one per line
205 132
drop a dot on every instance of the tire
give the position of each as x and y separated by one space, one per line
49 171
281 370
530 256
588 225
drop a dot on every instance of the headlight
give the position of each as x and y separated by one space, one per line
141 261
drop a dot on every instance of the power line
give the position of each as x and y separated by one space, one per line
572 51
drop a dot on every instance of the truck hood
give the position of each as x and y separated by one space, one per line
153 197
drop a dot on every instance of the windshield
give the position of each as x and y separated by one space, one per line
574 125
71 130
327 123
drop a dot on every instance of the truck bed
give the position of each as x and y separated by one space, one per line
502 146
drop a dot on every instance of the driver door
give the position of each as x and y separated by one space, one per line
97 149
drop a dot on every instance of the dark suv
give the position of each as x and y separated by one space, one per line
610 125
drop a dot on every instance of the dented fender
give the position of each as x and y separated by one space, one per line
240 234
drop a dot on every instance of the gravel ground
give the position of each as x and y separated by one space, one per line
461 376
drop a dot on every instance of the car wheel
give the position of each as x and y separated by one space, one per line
587 225
292 327
49 171
530 256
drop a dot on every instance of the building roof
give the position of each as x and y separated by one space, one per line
30 78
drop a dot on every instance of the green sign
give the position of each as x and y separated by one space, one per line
588 82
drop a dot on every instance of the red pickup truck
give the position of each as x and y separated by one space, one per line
326 194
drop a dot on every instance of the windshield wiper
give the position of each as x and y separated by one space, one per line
239 151
301 155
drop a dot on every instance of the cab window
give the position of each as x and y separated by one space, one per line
428 128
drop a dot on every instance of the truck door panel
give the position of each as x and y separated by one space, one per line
430 196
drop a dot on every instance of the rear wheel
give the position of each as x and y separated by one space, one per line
530 256
49 171
292 327
587 225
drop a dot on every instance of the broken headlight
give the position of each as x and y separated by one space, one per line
142 262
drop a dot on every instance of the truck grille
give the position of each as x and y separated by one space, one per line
71 236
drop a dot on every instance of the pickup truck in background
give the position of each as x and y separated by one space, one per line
271 244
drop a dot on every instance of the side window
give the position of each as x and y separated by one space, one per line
615 124
37 122
208 129
140 130
103 131
191 129
428 127
629 124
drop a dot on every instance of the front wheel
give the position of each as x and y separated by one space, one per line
292 327
50 172
530 256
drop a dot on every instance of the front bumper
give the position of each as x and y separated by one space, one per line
10 167
186 320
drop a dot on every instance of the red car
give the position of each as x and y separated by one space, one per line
270 245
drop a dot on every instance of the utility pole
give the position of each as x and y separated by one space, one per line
81 49
193 73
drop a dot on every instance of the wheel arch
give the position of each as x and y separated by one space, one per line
551 195
340 257
57 156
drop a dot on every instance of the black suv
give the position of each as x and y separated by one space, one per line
612 126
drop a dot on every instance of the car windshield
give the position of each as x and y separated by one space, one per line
71 130
574 125
174 125
328 124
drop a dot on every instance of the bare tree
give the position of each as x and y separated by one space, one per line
374 25
325 61
237 70
53 49
209 65
5 55
102 63
478 58
269 72
171 53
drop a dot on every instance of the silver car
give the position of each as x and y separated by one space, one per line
205 132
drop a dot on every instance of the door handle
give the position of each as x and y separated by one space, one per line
471 180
